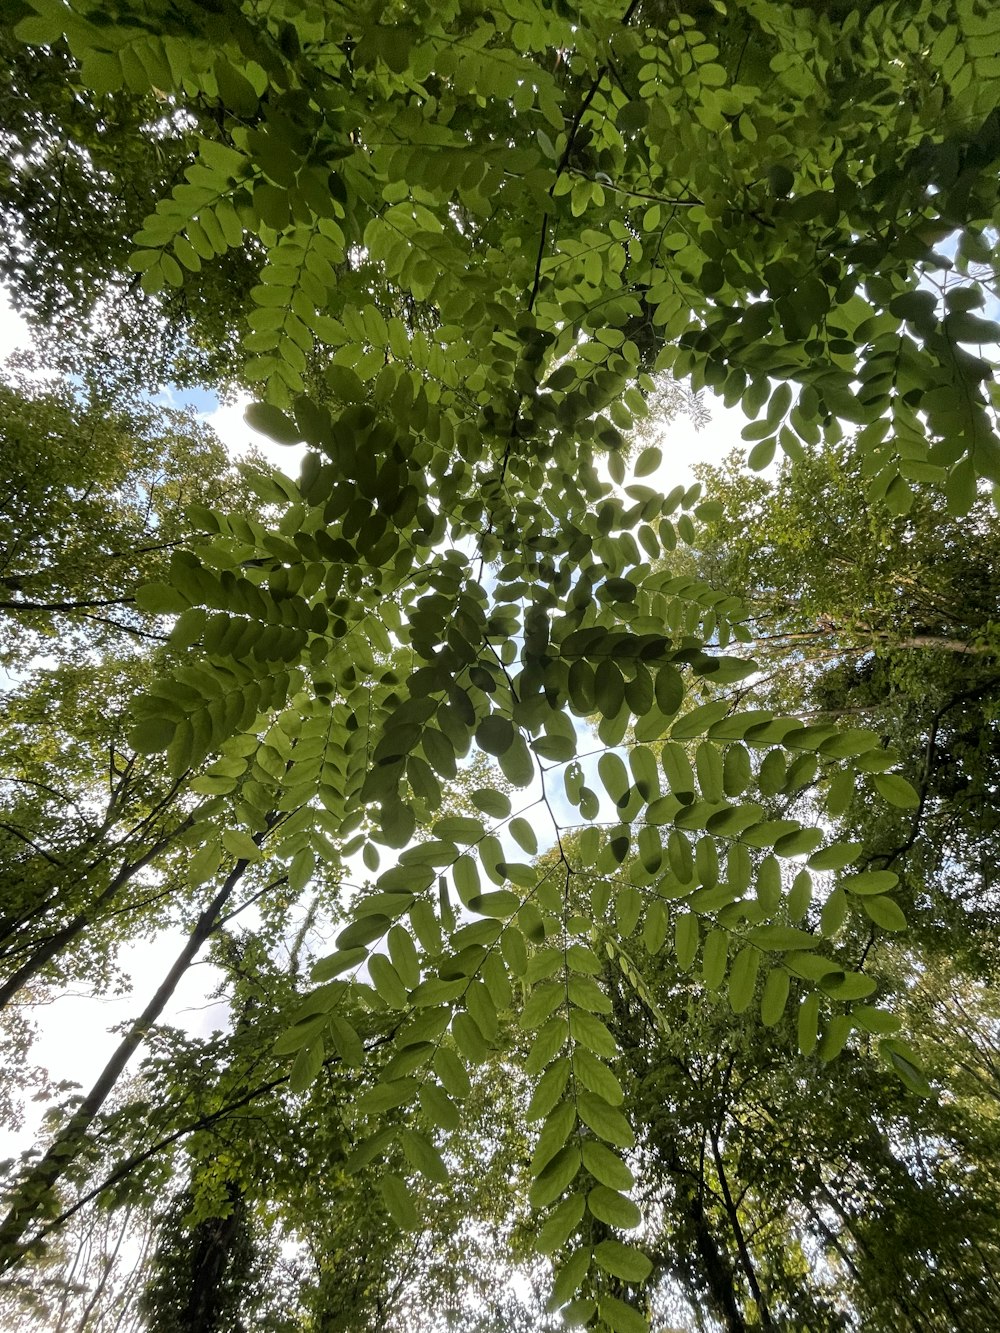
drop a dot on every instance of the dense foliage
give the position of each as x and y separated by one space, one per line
462 724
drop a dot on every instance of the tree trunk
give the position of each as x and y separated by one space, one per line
741 1244
45 953
35 1190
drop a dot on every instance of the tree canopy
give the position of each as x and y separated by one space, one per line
564 840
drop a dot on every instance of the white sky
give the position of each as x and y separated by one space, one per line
13 330
227 422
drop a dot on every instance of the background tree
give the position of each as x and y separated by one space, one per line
78 175
97 482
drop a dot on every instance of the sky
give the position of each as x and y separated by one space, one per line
76 1031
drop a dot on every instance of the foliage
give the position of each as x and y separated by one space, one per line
888 622
76 179
97 483
481 238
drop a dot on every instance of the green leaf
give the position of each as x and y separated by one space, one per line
469 1039
608 1123
961 488
782 938
160 599
648 462
240 845
834 912
798 843
495 735
560 1224
387 1096
668 687
300 1035
502 904
734 821
615 1209
687 937
596 1075
517 764
556 1176
589 1030
835 856
549 1089
835 1037
152 735
853 986
885 912
875 1020
709 766
606 1166
271 421
908 1070
714 957
452 1073
524 835
870 882
968 328
774 997
40 29
762 454
305 1067
568 1279
399 1202
386 981
609 688
743 978
840 794
621 1318
492 803
301 870
896 790
698 720
780 180
423 1156
438 1107
465 873
623 1261
918 306
336 963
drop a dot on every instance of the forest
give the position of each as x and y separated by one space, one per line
589 873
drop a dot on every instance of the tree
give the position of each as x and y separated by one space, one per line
78 174
481 235
97 488
892 628
97 482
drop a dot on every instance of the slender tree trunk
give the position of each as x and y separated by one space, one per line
934 642
741 1245
35 1190
108 1262
45 953
66 606
713 1265
849 1223
716 1268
